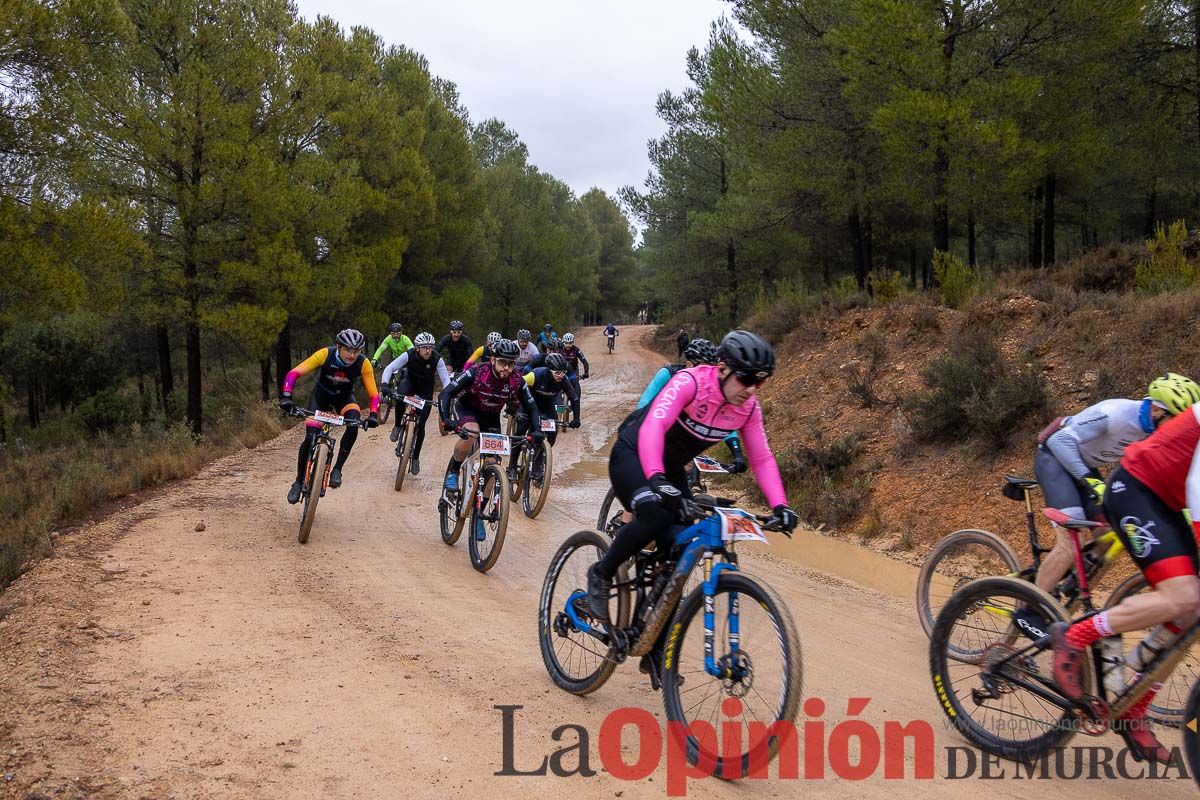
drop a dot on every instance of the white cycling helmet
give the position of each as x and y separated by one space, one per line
494 337
424 339
568 338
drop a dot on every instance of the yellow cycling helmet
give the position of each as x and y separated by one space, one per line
1174 392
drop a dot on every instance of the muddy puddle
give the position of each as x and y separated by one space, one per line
808 548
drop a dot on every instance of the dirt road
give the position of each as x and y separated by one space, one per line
149 659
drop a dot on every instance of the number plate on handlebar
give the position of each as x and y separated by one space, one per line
493 444
706 464
739 526
548 425
416 402
329 418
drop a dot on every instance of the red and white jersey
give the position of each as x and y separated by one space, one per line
1167 461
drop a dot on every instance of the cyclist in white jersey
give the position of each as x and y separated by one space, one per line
1068 458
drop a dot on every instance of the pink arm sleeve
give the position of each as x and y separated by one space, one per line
762 460
660 416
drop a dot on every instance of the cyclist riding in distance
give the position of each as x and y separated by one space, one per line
1157 479
422 366
482 392
337 368
528 350
1070 451
574 357
655 445
395 343
546 384
484 354
459 346
545 336
611 331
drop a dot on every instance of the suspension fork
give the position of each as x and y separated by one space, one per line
712 574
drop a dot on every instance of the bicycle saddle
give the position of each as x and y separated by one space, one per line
1015 487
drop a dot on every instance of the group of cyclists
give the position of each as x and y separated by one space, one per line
711 397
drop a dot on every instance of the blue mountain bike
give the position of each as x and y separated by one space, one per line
748 651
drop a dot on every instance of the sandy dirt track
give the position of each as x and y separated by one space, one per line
147 659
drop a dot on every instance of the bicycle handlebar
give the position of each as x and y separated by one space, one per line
304 413
703 505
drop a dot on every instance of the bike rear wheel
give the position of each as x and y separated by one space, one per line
385 408
578 662
955 561
404 450
452 510
757 644
316 483
493 513
1168 705
606 522
520 462
1191 738
534 493
984 701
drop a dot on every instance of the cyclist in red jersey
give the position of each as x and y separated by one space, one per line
1144 501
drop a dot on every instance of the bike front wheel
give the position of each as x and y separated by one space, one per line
403 451
489 518
757 650
955 561
316 484
535 479
1168 705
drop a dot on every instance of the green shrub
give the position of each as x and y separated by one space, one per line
955 278
887 284
105 411
1166 266
974 394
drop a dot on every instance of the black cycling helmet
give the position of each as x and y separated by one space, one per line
548 326
506 348
748 355
395 327
556 362
701 351
456 325
352 339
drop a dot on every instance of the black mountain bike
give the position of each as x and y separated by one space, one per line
320 463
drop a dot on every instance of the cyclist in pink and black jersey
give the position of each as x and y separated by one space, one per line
697 408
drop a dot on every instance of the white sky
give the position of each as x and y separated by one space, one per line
576 80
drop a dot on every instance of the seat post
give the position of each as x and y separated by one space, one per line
1031 525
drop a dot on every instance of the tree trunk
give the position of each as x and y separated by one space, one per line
869 244
912 267
731 266
283 355
941 201
1035 239
971 235
195 409
1048 220
35 417
265 372
1151 211
1196 57
165 376
856 242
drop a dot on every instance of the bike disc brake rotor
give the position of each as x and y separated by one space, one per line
737 673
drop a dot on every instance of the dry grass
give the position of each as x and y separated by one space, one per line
43 486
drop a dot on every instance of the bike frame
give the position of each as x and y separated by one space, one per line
703 541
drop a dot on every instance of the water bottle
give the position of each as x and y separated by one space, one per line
1159 639
1113 664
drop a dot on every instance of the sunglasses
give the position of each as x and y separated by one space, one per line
751 378
503 363
558 373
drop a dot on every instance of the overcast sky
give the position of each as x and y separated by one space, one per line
576 80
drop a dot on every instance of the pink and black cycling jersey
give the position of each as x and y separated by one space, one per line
690 415
486 392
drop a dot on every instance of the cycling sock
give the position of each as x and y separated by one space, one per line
1138 710
1092 629
302 457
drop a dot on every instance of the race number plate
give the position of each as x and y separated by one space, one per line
706 464
416 402
548 425
329 417
739 526
493 444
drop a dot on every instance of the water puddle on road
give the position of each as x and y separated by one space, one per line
810 549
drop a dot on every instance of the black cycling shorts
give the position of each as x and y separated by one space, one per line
1059 488
1160 539
488 423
